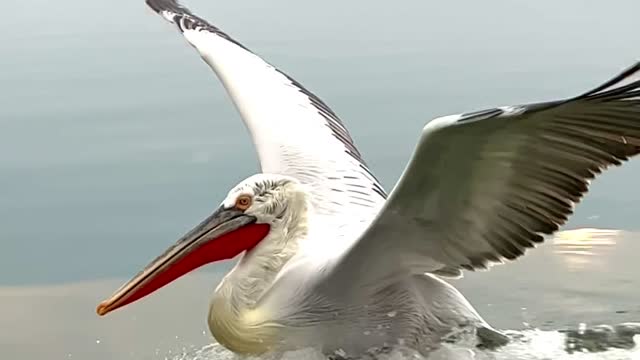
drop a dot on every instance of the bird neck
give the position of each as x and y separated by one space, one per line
256 270
235 319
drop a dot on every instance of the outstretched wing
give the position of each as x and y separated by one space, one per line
483 187
294 132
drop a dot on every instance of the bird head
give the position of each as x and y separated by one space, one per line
252 210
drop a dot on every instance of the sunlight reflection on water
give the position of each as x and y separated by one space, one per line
586 247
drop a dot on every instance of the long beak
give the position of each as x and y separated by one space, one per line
223 235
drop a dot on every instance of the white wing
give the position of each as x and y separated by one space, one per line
295 133
483 187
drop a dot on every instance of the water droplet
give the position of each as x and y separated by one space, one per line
97 341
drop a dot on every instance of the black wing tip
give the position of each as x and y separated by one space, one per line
631 70
184 19
167 5
612 87
598 92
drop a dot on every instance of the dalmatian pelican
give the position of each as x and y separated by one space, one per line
328 259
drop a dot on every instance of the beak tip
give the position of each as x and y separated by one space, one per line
102 309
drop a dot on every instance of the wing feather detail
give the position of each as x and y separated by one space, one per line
483 187
295 133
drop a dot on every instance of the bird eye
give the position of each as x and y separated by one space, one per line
243 202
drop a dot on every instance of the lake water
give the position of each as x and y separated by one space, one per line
115 138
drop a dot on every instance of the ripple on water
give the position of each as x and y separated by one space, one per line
527 345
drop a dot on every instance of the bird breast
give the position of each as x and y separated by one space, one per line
242 330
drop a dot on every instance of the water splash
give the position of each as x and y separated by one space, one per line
596 343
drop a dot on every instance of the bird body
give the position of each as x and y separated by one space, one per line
415 310
328 259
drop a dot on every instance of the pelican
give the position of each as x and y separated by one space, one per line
327 259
